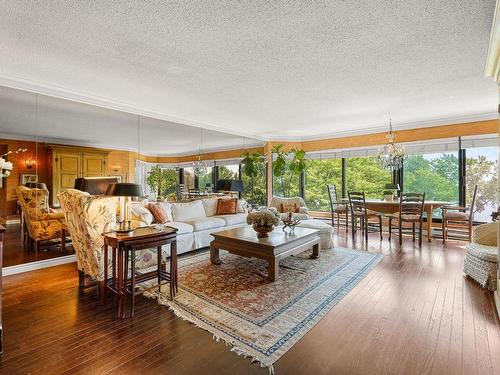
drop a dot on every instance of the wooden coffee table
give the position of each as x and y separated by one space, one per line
244 241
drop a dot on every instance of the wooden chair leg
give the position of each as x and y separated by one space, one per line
443 228
390 229
420 233
353 230
338 221
333 223
400 225
365 225
37 246
470 231
413 231
380 226
81 279
347 221
100 291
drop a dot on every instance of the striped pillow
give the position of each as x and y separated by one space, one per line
159 213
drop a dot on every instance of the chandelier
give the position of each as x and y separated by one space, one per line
199 167
391 156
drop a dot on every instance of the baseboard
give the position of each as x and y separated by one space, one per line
32 266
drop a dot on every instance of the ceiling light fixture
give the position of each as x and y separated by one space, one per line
199 167
391 156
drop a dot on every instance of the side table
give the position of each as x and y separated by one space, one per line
123 248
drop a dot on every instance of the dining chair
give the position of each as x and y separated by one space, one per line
458 218
411 209
337 208
359 212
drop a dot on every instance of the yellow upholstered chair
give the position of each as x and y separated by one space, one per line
42 224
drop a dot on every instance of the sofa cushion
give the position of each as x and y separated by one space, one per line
159 212
182 228
210 206
226 206
486 234
488 253
204 223
188 210
141 214
233 219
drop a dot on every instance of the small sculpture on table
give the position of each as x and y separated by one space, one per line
290 222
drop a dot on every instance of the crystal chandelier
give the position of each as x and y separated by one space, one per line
391 156
199 167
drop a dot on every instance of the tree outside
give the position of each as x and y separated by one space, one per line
365 174
319 174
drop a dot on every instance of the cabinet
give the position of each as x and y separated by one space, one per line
68 163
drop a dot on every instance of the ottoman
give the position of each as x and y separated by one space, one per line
480 263
325 231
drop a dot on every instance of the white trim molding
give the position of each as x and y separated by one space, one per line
32 266
492 68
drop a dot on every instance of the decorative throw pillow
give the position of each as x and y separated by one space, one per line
226 206
290 207
159 213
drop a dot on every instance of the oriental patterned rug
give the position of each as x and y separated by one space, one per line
260 319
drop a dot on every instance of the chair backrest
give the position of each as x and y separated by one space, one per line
279 202
34 202
473 204
357 202
411 204
87 217
333 197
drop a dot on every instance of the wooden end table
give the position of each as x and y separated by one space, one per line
123 248
244 241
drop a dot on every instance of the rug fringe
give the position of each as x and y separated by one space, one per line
235 349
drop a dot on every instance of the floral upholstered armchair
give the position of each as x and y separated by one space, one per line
88 217
42 224
296 205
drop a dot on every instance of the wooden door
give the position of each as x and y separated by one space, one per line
67 168
94 165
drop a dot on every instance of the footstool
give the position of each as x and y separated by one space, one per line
325 231
480 263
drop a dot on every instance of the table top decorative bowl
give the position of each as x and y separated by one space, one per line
263 222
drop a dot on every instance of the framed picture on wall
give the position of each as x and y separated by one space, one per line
28 177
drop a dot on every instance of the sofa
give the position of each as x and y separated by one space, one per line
193 220
481 256
297 205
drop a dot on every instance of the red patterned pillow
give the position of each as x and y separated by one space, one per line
290 207
159 213
226 206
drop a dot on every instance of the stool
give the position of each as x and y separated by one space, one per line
325 231
480 263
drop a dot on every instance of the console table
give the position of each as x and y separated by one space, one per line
123 248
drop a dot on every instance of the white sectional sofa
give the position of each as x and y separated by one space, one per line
194 221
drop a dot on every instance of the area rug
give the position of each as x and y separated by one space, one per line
261 319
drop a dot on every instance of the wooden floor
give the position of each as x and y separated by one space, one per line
14 253
415 313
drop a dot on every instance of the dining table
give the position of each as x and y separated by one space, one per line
390 207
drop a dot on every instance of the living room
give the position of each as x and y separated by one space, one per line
249 188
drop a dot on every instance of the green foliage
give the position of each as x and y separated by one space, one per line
365 174
254 177
286 173
227 174
319 174
483 173
163 181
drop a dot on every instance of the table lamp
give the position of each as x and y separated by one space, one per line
126 190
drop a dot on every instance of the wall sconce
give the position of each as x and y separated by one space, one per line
30 163
116 167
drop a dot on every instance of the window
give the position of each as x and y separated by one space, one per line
229 172
286 186
320 173
255 189
365 174
189 180
205 180
482 170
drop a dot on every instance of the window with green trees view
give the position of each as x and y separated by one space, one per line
365 174
259 187
229 172
320 173
286 185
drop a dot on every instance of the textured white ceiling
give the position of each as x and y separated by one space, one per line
46 119
266 68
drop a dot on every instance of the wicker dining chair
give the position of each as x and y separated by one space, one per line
337 208
359 212
458 218
411 209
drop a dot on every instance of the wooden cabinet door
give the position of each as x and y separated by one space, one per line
94 165
67 167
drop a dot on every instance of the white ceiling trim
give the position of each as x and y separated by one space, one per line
85 98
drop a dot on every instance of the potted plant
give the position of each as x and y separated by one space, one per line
295 166
263 221
162 181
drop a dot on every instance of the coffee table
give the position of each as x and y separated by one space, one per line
243 241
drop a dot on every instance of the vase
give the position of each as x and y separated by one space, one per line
263 230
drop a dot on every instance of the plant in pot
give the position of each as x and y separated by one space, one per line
251 166
263 221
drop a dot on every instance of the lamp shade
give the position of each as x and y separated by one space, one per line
125 189
229 185
94 185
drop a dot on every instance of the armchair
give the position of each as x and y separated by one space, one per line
87 217
42 224
295 205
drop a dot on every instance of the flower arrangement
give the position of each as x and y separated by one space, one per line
263 221
5 167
